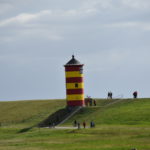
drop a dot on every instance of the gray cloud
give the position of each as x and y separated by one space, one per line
110 37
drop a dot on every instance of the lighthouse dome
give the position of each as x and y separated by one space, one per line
73 61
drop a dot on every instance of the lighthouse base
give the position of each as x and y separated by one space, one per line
75 103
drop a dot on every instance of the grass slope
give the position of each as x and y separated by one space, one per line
119 126
101 138
27 113
125 112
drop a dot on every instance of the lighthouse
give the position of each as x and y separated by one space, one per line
74 83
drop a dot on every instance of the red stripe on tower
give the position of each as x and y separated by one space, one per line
74 91
74 79
72 68
75 103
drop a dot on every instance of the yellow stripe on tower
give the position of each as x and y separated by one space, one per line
73 74
75 97
75 85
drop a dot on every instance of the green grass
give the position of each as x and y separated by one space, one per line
27 113
103 138
119 126
125 112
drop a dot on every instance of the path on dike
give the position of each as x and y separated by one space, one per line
65 127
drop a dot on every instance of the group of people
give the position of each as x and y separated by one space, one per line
77 124
89 101
109 95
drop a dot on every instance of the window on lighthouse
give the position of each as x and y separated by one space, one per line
81 70
76 85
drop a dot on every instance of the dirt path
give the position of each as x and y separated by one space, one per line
65 127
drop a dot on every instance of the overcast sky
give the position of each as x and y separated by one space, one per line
37 37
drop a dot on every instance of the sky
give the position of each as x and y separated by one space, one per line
38 37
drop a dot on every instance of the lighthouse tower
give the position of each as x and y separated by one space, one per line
74 83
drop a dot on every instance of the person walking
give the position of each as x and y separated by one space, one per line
135 94
78 124
92 124
75 123
84 124
111 94
91 101
94 101
108 95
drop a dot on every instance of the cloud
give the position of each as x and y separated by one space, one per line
87 4
117 4
131 24
24 18
137 4
5 7
37 37
106 60
49 23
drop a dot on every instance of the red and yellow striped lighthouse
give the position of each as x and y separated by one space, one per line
74 83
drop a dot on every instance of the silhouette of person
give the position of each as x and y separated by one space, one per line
111 94
135 94
84 124
92 124
78 125
108 95
75 123
94 101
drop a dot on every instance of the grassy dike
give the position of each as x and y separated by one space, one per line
111 112
27 113
119 126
